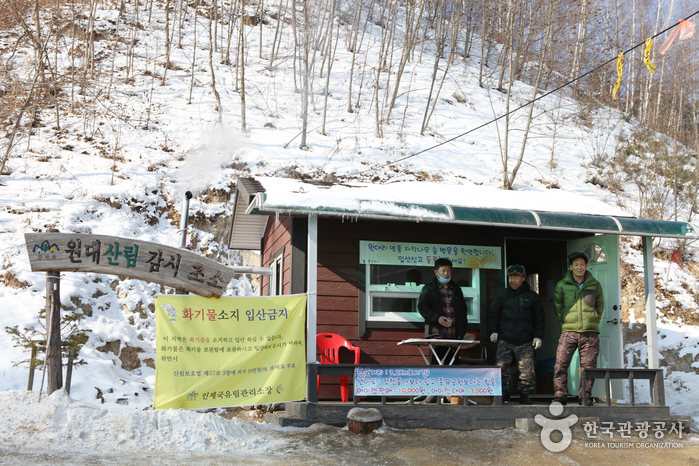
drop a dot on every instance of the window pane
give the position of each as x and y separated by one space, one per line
401 305
462 277
399 275
407 274
595 253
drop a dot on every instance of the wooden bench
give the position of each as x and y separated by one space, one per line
655 376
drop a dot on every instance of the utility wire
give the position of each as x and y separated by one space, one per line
533 100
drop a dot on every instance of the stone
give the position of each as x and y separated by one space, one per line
129 358
110 347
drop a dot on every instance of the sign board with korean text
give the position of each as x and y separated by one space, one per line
229 351
423 254
427 381
170 266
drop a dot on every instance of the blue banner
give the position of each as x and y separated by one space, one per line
427 381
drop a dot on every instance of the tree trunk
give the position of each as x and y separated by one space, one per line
330 55
241 67
54 366
167 41
219 108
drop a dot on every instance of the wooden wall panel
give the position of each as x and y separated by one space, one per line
338 287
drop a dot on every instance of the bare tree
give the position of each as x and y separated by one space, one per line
194 52
167 41
276 42
330 53
241 67
412 29
219 107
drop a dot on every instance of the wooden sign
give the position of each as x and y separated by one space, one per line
126 257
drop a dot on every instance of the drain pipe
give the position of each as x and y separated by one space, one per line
184 219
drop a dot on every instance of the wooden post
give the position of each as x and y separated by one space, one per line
53 361
32 366
69 370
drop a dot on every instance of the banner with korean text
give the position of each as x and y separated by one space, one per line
229 351
427 381
424 254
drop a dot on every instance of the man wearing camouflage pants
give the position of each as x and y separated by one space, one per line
517 323
579 302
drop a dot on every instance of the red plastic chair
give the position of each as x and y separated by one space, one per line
329 345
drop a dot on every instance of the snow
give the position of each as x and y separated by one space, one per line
70 425
353 196
120 165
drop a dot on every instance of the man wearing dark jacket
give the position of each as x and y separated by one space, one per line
443 307
517 324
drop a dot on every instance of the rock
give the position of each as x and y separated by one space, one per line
129 358
364 420
110 347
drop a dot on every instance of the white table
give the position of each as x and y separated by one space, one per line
434 342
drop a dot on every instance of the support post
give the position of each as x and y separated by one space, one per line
32 367
69 370
311 311
651 324
53 363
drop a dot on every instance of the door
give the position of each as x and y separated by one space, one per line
603 251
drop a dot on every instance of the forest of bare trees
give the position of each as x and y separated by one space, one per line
544 43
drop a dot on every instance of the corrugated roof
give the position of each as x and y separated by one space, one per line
322 204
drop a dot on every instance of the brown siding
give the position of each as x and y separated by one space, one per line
338 276
338 287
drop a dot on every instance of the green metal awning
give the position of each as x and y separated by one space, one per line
324 204
494 217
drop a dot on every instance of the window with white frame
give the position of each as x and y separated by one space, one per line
394 274
276 280
393 291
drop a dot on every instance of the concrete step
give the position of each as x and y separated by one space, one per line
284 420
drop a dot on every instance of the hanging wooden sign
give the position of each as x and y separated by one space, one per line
127 257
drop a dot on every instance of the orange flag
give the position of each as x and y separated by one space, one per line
677 258
685 30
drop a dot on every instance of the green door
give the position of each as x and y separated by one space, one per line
603 251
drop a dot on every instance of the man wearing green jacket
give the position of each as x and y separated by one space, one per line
579 302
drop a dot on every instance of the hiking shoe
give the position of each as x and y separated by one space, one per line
561 400
524 399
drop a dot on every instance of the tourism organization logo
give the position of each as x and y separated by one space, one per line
650 434
549 426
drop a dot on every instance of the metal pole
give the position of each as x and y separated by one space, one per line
184 219
651 324
311 312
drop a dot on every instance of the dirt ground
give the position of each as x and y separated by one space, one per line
327 445
322 444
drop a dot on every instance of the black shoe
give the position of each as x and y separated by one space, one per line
560 400
505 395
590 401
524 399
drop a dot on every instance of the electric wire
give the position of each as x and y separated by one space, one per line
641 44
